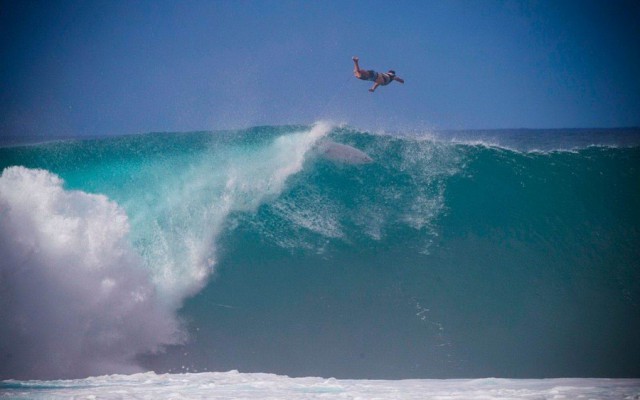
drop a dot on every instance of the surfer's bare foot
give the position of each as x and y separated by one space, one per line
355 58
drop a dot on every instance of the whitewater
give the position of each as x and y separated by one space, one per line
473 264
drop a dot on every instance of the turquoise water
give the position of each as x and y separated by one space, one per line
473 254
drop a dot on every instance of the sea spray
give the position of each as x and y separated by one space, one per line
81 293
76 299
225 178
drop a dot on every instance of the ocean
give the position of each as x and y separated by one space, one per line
417 261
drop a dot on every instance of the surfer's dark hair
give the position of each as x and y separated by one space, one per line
392 71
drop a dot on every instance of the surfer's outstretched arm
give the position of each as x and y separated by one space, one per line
395 78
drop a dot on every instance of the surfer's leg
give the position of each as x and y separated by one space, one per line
356 67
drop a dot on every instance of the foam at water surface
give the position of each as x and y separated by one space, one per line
227 385
75 296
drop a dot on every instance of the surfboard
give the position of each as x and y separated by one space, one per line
342 153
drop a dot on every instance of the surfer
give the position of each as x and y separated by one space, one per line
379 78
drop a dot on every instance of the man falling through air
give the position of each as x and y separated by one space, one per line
379 78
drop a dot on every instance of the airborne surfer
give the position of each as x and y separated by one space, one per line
379 78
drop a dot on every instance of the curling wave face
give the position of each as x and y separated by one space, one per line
335 252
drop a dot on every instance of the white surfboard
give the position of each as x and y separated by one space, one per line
342 153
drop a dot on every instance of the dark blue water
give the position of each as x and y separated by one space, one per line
455 254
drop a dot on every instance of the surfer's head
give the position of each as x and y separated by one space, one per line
391 72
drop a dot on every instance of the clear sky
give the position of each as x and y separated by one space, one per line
115 67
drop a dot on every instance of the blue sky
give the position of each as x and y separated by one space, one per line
117 67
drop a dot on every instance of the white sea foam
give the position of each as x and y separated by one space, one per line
235 385
74 296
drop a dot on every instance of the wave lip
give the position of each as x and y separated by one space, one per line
75 288
543 140
193 210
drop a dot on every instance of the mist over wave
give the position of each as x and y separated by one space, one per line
335 252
